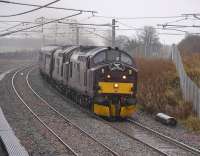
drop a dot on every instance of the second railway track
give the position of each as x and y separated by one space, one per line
76 140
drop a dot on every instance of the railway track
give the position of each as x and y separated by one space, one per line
158 142
173 143
24 95
107 123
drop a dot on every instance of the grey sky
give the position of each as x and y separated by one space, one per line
118 8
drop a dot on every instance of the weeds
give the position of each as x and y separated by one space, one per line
193 123
159 88
192 66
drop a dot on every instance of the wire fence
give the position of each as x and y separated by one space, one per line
190 91
162 52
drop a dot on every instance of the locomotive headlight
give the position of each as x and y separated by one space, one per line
108 76
116 85
124 77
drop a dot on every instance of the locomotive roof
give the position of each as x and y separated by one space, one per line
49 48
90 50
87 48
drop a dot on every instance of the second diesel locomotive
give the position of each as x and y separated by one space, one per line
103 79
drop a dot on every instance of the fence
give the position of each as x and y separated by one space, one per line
162 52
190 91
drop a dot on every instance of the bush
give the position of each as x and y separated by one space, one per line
192 67
159 88
193 123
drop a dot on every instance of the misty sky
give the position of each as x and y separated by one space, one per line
117 8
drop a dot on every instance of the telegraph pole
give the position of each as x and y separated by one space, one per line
43 36
113 32
56 31
77 35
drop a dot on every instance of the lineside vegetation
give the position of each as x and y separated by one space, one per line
190 52
159 91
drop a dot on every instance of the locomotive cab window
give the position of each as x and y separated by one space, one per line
113 55
126 59
100 57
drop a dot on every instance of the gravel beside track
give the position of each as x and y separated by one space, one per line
179 132
73 137
151 139
32 134
101 131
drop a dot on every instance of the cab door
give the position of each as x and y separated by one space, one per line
66 73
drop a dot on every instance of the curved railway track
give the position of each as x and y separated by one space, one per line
40 117
157 141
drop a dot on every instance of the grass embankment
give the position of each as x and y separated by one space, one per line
192 66
159 90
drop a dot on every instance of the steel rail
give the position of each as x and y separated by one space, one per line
99 118
162 136
169 139
119 130
36 116
65 118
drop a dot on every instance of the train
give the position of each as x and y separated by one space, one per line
102 79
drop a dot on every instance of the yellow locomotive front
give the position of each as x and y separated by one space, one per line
115 85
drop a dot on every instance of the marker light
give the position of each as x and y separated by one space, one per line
124 77
102 70
116 85
108 76
130 72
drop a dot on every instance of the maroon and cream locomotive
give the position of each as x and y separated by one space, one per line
103 79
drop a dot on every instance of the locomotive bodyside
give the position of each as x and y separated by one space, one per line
46 60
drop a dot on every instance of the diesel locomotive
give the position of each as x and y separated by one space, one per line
104 79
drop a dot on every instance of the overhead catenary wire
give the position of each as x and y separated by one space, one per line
171 34
163 28
131 27
179 26
50 7
179 20
11 27
14 21
135 18
39 25
173 29
101 36
32 10
90 24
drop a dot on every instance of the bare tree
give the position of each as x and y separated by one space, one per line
121 42
149 39
148 36
131 45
